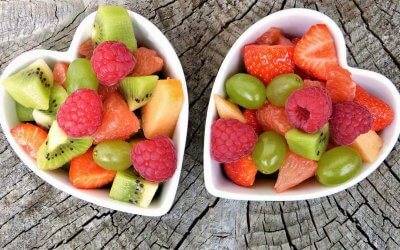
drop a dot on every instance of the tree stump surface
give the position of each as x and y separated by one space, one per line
36 215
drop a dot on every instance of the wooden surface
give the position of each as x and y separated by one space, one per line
34 214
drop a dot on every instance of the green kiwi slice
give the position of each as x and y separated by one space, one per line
137 90
24 114
45 118
30 86
80 75
128 186
112 23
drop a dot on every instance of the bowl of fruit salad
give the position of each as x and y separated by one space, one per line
106 120
288 119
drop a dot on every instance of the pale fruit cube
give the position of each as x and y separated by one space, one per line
227 109
368 145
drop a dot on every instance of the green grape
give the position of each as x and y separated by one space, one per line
280 88
338 165
80 75
113 155
269 152
246 91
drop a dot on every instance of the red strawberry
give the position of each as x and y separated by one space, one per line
86 49
339 84
382 113
60 73
85 173
266 62
273 36
316 51
242 172
29 137
251 118
294 170
302 74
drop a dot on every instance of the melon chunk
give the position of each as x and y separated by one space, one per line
368 145
228 110
160 114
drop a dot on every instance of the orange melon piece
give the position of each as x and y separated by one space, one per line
160 114
368 145
227 109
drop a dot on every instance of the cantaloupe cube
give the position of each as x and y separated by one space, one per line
368 145
227 109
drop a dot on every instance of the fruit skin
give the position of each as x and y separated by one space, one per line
266 62
269 152
338 165
227 109
294 170
250 116
80 75
273 118
155 159
86 49
161 113
368 145
280 88
231 140
60 73
84 173
113 155
29 137
24 114
118 122
111 62
316 51
245 90
349 120
339 84
81 113
382 113
273 36
309 109
242 172
147 62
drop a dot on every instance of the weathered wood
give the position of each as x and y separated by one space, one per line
34 214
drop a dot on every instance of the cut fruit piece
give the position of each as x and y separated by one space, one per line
118 122
294 170
137 90
310 146
161 113
273 36
313 83
242 172
45 118
56 136
228 110
147 62
339 84
113 23
104 90
29 137
30 86
24 114
80 75
250 115
368 145
128 186
85 173
86 49
273 118
60 73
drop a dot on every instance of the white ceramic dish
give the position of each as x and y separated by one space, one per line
148 35
294 22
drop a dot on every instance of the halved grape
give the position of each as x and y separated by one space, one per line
113 155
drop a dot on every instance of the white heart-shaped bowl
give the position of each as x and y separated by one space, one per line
147 35
294 22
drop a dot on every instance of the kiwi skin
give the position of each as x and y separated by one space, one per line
138 90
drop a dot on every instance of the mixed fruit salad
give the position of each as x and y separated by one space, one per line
296 112
102 113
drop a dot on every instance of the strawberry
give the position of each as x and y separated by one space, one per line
250 115
266 62
86 49
339 84
242 172
85 173
60 73
316 51
294 170
382 113
29 137
302 73
273 36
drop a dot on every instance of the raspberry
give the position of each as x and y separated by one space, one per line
251 118
81 113
309 109
111 62
349 120
155 159
231 140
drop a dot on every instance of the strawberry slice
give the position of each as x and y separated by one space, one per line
86 49
273 36
242 172
85 173
266 62
60 73
250 115
315 51
339 84
30 137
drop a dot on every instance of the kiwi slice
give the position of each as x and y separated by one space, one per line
80 75
45 118
137 90
128 186
30 86
58 149
310 146
112 23
24 114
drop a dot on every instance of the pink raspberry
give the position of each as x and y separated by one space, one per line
111 62
81 113
349 120
231 140
155 159
309 109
